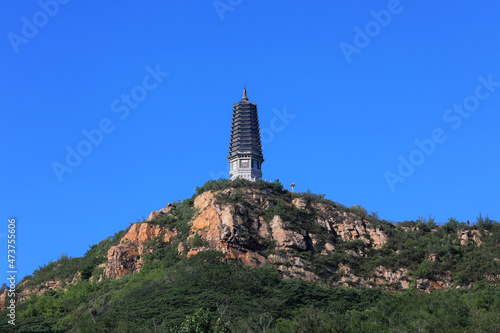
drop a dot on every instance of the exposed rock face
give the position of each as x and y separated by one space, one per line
469 235
224 229
234 230
240 233
378 237
300 268
382 276
352 227
157 214
127 257
426 285
41 288
3 296
287 240
351 230
385 275
122 259
299 203
300 237
433 257
355 229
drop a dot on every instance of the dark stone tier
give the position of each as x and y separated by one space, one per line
245 134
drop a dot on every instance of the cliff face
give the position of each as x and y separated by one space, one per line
248 232
3 296
228 229
301 235
314 240
241 233
127 257
52 284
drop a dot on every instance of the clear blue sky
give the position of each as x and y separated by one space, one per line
343 92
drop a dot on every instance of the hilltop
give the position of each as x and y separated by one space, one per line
236 244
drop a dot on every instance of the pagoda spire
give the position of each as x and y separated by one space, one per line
244 98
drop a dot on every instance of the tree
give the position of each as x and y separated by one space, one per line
202 321
484 223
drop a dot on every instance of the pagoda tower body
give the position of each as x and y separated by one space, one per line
245 149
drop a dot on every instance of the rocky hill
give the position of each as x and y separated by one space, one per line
298 235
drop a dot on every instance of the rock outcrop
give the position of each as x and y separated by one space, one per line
3 296
41 288
351 227
224 229
286 240
127 257
158 214
253 226
314 240
240 233
469 235
390 277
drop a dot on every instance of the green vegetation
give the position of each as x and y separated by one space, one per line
429 252
247 299
224 184
164 297
412 244
67 268
203 321
410 311
182 212
210 293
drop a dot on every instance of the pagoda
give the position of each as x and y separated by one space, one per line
245 150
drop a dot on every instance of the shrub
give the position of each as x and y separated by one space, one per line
203 321
222 184
196 241
359 211
484 223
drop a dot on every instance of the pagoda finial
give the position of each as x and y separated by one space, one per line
245 98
